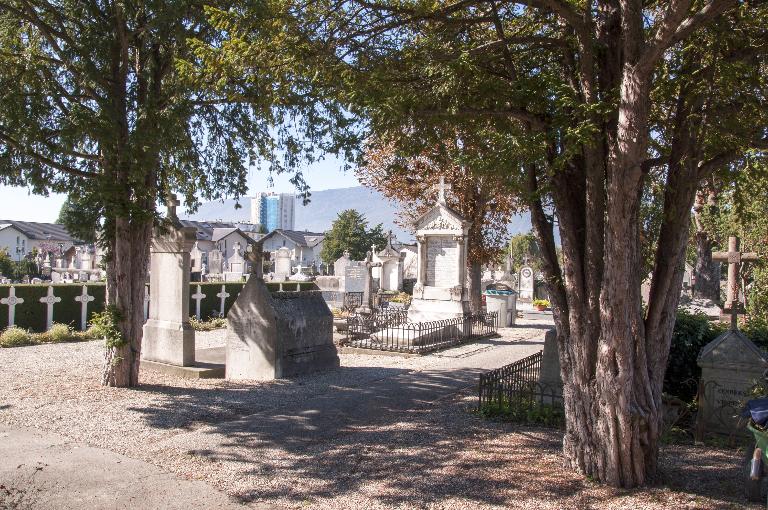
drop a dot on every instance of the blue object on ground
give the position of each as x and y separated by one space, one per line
757 409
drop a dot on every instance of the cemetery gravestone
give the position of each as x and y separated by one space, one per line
282 263
730 366
440 291
168 336
354 278
526 286
215 261
271 336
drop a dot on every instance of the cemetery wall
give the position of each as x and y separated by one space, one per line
32 314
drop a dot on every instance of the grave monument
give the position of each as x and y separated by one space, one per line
282 263
277 335
440 291
168 336
730 364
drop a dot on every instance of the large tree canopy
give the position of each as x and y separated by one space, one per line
109 102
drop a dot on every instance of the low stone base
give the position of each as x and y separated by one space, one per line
411 337
209 364
427 310
168 342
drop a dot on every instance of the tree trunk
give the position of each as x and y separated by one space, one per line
127 272
475 286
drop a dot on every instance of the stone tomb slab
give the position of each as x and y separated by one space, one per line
272 336
730 366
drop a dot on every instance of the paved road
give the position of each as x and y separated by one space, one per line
44 470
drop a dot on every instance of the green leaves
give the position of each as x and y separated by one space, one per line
350 232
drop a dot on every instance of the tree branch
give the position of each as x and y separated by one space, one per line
44 159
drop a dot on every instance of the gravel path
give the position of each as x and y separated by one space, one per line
381 432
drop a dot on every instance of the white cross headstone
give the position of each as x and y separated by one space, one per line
223 295
49 300
84 299
12 301
198 296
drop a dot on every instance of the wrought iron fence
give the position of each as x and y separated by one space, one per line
387 330
343 300
518 384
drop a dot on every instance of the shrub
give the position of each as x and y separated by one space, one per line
541 302
14 336
756 329
57 334
208 325
691 333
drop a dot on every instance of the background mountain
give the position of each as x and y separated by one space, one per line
325 205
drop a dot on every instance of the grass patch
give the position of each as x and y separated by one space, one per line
208 325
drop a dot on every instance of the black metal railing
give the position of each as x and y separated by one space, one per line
387 330
343 300
518 384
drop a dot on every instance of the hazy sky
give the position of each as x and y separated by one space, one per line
18 204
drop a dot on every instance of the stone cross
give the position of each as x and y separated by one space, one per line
12 301
255 255
368 288
172 202
49 301
198 296
84 299
223 295
441 189
734 258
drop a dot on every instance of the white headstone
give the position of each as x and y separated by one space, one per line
84 299
223 295
526 286
440 291
236 261
12 301
168 335
282 263
49 300
198 296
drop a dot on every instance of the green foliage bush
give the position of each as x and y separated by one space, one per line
691 333
105 325
58 333
208 325
15 337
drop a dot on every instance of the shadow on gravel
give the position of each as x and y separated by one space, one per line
378 435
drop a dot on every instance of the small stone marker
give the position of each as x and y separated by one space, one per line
198 296
84 299
12 301
49 300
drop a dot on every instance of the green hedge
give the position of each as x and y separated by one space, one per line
32 313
